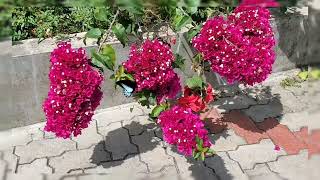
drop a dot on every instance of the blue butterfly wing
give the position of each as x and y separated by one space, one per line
127 90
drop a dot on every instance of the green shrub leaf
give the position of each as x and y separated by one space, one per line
120 32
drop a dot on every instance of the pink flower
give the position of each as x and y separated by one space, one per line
240 48
261 3
74 92
180 127
151 65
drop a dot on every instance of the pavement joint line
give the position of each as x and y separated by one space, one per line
77 146
76 169
138 148
52 168
18 159
276 173
212 169
227 152
174 159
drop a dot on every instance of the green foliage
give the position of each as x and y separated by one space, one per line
179 62
201 152
120 32
156 111
146 98
195 82
44 22
105 58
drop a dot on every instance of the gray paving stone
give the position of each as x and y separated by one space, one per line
224 105
190 169
156 159
262 172
38 166
84 158
146 141
29 175
130 166
89 137
137 125
35 131
225 168
262 94
295 121
3 169
44 148
297 166
258 113
249 155
226 141
168 172
10 159
119 113
117 141
14 137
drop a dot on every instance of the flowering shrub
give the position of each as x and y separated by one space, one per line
182 127
241 47
151 66
74 91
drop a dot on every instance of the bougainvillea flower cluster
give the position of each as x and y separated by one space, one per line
151 65
194 100
261 3
180 127
74 91
241 47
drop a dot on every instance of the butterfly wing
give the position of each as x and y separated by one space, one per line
127 90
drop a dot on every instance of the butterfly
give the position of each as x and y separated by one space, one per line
127 86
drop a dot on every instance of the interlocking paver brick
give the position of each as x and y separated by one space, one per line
312 140
14 137
44 148
38 166
156 158
3 169
249 155
120 113
10 159
297 166
88 137
262 172
259 113
168 172
29 175
295 121
79 159
225 168
282 136
117 141
231 103
190 169
244 127
146 141
130 166
226 141
137 125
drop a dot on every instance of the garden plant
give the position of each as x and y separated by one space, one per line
233 39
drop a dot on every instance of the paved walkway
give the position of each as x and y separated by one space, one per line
264 132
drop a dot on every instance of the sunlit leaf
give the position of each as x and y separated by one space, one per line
120 32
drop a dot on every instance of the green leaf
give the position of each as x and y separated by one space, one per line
105 60
193 32
195 82
157 110
94 33
132 6
120 32
199 147
197 155
192 3
202 156
315 74
182 21
179 62
303 75
102 14
108 51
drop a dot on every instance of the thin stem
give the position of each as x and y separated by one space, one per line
105 35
